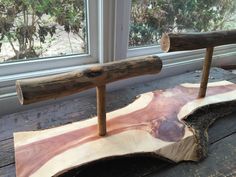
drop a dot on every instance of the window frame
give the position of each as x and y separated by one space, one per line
223 55
43 66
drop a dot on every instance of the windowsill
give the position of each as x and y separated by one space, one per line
9 80
27 66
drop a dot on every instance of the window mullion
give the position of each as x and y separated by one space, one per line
114 27
93 28
107 23
122 19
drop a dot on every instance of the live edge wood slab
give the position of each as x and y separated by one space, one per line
161 123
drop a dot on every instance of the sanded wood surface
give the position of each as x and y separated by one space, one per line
52 87
191 41
219 163
153 123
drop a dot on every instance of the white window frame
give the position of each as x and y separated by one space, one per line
223 55
10 71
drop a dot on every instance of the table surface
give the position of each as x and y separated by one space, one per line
221 160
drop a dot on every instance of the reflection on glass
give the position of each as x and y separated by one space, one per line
150 18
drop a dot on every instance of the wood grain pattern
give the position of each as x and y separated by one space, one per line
192 41
52 87
153 123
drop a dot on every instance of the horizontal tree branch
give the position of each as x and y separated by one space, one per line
52 87
190 41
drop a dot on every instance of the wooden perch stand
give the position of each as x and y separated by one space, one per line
192 41
52 87
169 123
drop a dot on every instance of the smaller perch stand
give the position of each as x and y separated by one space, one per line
52 87
192 41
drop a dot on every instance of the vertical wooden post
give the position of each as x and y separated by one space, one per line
101 109
205 72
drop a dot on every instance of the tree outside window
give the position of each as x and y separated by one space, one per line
42 28
151 18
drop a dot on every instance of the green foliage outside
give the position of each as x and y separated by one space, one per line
22 22
150 18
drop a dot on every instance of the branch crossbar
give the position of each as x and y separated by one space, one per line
171 42
56 86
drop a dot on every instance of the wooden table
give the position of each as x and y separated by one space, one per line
222 135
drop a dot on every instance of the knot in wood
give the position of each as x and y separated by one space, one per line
93 72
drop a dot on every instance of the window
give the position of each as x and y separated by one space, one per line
59 40
74 33
151 18
38 29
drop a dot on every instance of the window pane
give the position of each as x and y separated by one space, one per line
42 28
150 18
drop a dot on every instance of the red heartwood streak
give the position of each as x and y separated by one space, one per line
159 118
